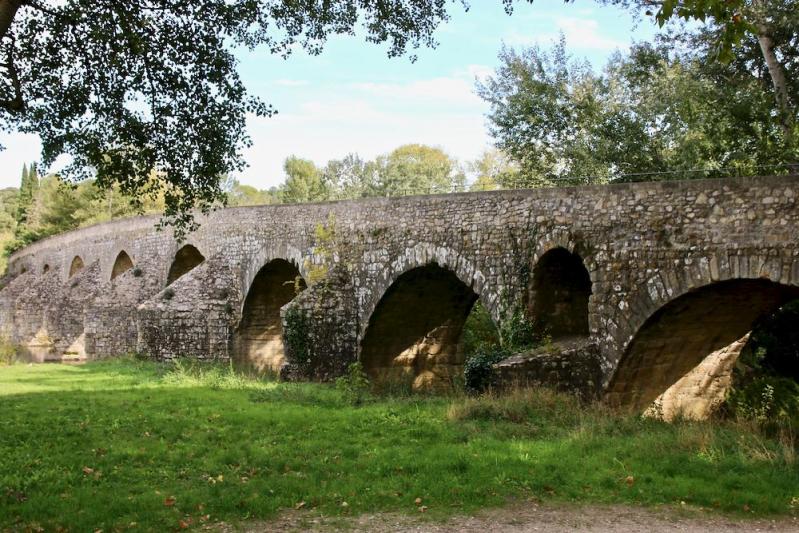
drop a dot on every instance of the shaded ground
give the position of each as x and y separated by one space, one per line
528 517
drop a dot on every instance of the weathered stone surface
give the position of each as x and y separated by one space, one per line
570 365
644 246
701 391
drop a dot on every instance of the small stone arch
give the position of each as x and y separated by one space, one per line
185 260
257 341
76 266
253 265
122 264
559 295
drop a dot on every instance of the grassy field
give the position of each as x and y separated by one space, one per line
123 444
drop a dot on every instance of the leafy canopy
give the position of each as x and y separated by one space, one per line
130 88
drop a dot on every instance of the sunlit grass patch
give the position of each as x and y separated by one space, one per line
107 444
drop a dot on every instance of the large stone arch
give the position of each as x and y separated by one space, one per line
422 255
257 340
415 329
414 314
184 260
678 319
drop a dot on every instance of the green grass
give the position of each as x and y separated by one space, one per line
108 445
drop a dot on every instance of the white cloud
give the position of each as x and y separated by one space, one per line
580 33
454 90
327 130
585 33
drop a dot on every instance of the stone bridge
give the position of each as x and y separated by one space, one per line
658 277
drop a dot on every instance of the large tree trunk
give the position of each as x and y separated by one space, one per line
775 70
8 8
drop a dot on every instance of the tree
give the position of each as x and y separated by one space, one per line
303 182
651 111
493 170
416 169
128 88
241 195
29 183
774 24
351 177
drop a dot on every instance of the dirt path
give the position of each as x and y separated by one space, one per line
530 517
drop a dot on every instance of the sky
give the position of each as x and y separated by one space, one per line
353 98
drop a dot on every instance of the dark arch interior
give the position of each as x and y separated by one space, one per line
561 288
122 264
258 341
76 266
683 332
46 269
414 331
185 260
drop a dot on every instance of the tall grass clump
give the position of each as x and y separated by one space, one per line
185 372
8 351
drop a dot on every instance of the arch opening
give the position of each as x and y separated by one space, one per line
681 358
122 264
258 341
186 259
414 333
45 269
560 292
76 266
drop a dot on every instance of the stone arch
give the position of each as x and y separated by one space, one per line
415 329
561 288
186 259
76 266
257 342
252 266
122 264
422 254
710 320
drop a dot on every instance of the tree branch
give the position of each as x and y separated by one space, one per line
16 104
8 9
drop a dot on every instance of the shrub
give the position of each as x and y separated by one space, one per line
8 351
354 385
477 371
521 405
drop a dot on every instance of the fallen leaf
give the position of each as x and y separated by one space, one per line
629 480
87 470
169 502
423 508
300 505
418 501
345 504
183 524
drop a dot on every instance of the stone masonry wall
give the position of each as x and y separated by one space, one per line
642 244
